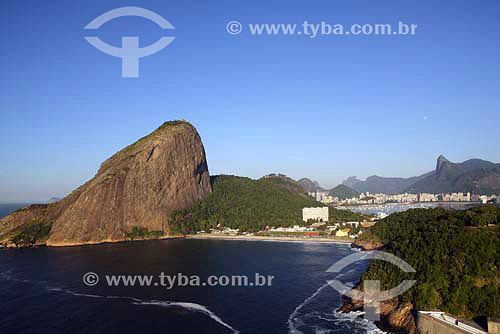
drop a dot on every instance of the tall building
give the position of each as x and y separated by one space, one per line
320 214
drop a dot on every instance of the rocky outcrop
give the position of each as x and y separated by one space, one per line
367 244
395 316
137 187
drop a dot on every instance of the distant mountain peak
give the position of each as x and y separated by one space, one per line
441 161
351 181
310 185
343 192
474 175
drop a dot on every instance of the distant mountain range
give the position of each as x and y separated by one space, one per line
310 185
343 192
475 175
385 185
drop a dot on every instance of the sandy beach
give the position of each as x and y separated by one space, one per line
266 238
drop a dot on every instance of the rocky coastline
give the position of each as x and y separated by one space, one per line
395 316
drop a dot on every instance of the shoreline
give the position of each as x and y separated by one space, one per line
396 317
195 237
262 238
91 243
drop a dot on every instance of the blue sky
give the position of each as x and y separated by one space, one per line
326 108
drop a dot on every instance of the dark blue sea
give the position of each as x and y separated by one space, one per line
5 209
42 291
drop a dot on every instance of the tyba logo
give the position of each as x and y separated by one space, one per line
130 51
371 296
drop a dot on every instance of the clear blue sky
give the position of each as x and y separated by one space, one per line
324 108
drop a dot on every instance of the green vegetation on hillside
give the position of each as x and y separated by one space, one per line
31 234
286 182
139 232
250 205
343 192
456 255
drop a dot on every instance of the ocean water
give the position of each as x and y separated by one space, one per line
5 209
399 207
42 291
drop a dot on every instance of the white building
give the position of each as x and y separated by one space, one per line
320 214
343 233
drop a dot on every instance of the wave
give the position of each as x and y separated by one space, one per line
336 322
356 319
293 328
321 319
193 307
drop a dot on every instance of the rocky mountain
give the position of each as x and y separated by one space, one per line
351 181
310 185
138 187
343 192
474 175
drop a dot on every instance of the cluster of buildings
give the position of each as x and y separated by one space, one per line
223 231
337 229
323 197
368 198
316 220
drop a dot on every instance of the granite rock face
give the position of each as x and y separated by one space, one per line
137 187
395 316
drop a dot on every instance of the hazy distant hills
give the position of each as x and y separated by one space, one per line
385 185
474 175
343 192
310 185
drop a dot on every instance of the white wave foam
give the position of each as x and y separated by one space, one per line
186 305
292 327
355 318
295 321
189 306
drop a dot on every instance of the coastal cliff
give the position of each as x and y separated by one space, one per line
136 189
366 244
395 316
454 254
